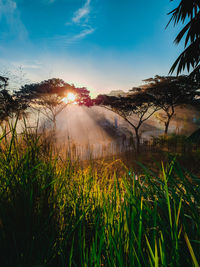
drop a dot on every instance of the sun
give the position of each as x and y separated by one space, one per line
70 98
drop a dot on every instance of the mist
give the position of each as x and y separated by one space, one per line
96 132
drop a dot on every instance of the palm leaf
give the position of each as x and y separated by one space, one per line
187 10
190 57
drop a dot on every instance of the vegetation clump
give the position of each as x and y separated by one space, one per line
53 212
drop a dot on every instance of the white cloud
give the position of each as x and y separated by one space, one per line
81 19
82 13
80 35
9 10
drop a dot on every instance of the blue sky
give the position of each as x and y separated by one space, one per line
101 44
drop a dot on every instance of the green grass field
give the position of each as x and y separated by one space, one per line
54 212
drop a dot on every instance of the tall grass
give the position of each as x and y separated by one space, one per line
56 213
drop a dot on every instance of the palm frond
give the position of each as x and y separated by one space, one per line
192 31
187 11
188 59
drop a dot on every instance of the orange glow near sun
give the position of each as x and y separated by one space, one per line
70 98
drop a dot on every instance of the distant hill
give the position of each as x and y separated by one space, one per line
117 93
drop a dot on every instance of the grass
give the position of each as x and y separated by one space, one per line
54 212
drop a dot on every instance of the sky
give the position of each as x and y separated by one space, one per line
103 45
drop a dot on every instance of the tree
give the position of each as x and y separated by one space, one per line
3 82
170 92
47 96
5 99
138 103
9 105
16 77
187 11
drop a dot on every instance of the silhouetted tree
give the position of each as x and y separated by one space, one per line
5 99
188 14
9 105
16 76
3 82
170 92
47 96
138 103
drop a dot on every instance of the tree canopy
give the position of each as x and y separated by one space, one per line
3 82
137 103
53 87
170 92
9 105
47 96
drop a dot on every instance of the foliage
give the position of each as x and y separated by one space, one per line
55 213
47 96
3 82
171 139
188 14
9 105
170 92
136 103
195 137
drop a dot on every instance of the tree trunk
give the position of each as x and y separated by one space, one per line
54 129
167 126
137 141
169 116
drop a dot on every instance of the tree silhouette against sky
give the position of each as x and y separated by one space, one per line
170 92
47 97
188 14
9 105
136 103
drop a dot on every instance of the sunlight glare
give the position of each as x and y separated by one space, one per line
70 98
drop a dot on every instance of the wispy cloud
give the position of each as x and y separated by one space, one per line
7 7
82 13
27 64
80 35
80 19
9 11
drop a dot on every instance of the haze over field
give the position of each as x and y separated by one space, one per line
97 124
96 128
